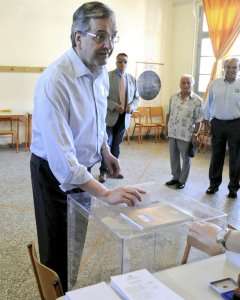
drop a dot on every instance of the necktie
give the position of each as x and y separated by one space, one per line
122 91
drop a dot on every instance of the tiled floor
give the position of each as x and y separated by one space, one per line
140 163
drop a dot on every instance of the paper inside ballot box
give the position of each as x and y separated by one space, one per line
154 216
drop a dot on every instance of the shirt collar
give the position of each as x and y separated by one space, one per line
80 69
119 74
191 96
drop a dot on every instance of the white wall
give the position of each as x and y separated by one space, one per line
34 33
184 35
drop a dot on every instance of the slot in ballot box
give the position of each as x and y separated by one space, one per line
114 245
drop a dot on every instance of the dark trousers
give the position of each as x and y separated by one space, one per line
115 138
50 204
224 132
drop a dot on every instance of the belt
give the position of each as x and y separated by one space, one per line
227 121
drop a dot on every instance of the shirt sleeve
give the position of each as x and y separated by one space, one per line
53 111
207 106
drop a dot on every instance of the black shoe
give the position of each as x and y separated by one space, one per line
211 190
102 177
232 194
180 185
172 182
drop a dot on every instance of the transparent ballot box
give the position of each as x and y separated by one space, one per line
115 244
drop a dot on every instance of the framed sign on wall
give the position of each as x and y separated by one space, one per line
149 82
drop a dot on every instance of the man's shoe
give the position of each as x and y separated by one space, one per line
232 194
172 182
120 176
102 177
211 190
180 185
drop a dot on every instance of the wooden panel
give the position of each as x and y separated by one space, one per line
21 69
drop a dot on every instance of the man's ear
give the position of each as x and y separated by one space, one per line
77 39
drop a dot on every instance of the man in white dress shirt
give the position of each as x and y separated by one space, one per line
69 131
222 114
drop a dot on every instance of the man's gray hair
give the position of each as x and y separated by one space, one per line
232 58
87 11
188 76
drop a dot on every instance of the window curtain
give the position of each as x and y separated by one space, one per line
223 19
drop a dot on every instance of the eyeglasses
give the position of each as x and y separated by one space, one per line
103 37
122 61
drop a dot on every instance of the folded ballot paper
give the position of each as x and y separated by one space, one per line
141 285
97 291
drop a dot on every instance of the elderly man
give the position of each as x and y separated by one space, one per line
182 125
122 101
69 131
222 112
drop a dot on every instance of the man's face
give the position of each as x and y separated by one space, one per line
121 63
91 52
186 85
231 69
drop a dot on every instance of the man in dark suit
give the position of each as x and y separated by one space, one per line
123 99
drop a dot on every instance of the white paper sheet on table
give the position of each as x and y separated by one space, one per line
142 285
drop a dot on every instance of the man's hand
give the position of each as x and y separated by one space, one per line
119 108
204 232
165 132
195 140
129 109
127 195
111 162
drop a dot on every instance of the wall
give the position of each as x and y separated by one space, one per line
184 35
34 33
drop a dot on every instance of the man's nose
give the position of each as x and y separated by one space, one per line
108 43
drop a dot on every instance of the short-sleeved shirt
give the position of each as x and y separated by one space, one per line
183 115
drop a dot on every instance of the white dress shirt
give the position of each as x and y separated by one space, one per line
223 101
69 127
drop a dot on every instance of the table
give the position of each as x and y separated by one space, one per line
17 117
191 281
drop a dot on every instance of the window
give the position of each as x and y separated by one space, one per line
205 57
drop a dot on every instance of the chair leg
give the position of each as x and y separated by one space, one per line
127 136
17 136
156 134
133 132
140 135
186 254
205 145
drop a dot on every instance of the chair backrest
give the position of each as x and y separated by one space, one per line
48 282
145 115
157 113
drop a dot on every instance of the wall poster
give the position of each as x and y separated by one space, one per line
149 82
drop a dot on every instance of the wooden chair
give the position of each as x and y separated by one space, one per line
48 282
142 120
10 132
157 117
193 242
203 138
